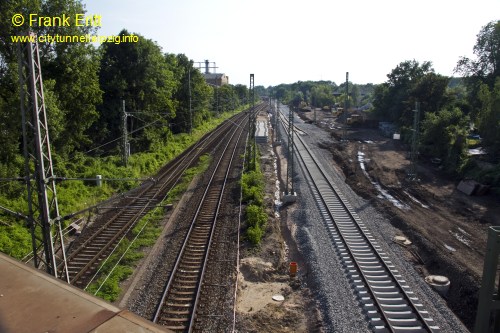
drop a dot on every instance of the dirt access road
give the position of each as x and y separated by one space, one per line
264 271
447 228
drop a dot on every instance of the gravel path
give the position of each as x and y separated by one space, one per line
341 310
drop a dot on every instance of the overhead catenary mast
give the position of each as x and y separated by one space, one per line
126 144
251 163
43 216
290 196
346 106
412 173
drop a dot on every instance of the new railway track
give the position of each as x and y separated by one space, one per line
387 300
98 240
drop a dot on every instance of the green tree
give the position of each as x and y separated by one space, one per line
394 99
76 92
298 98
10 115
190 81
489 118
485 68
444 135
355 94
227 99
430 90
282 94
322 95
138 74
444 126
242 93
261 91
73 68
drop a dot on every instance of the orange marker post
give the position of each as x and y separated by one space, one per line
293 269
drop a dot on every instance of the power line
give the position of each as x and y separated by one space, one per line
16 214
109 179
114 140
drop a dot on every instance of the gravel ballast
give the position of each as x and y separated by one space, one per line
341 310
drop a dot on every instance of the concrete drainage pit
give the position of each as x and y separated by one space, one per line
402 240
440 283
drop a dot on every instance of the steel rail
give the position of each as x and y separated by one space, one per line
348 231
170 175
190 313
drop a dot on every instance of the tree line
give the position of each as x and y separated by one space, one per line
453 110
168 103
457 113
322 93
86 87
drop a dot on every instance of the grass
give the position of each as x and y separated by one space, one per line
15 239
120 265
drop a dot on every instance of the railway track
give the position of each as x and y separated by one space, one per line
387 300
181 296
98 241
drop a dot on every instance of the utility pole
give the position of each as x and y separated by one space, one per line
488 308
412 173
276 125
251 126
217 100
289 169
43 219
289 196
254 125
125 145
346 105
190 110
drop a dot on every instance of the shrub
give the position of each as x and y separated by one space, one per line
252 186
254 234
256 216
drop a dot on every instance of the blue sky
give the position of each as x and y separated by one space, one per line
287 41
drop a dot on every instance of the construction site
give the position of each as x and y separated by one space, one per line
443 222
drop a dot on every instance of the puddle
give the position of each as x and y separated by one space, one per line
477 151
383 194
464 232
449 248
416 200
461 238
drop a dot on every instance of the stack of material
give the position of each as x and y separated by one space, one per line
471 187
261 132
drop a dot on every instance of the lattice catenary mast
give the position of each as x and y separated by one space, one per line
251 162
412 172
289 169
44 220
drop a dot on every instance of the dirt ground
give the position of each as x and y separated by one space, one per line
264 273
447 227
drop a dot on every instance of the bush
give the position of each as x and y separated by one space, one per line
256 216
254 234
252 186
76 195
490 177
252 189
